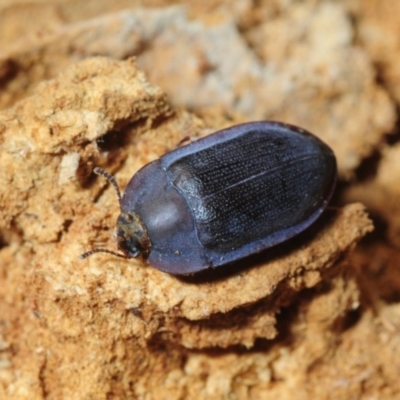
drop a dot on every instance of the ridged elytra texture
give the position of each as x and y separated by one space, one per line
250 187
231 194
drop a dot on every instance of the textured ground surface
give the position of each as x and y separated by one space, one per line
318 318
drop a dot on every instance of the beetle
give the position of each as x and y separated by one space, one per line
224 197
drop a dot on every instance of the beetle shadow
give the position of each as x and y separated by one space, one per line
266 256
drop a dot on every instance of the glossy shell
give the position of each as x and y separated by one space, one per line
232 194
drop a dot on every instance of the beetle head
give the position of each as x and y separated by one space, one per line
132 235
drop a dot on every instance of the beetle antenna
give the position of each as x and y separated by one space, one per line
111 179
90 252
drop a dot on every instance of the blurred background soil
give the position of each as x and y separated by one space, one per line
118 84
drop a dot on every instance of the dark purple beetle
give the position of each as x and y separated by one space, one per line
224 197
